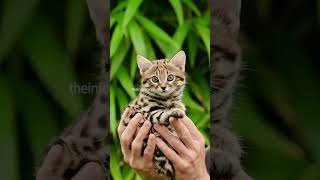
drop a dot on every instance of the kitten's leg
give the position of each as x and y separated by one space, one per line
225 153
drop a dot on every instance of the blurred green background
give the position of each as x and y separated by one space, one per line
277 102
45 47
157 29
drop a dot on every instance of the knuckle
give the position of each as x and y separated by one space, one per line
185 167
134 145
125 140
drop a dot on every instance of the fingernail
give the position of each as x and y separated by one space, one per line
156 126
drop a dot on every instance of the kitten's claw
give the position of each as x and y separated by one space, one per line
177 113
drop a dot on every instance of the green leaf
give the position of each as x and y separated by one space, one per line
192 6
204 33
176 4
116 18
192 48
150 50
181 33
155 31
75 21
116 39
52 66
8 133
137 38
113 117
131 9
118 58
122 99
124 79
118 8
15 16
189 102
133 65
168 50
114 165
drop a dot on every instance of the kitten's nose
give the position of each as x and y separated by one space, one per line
163 88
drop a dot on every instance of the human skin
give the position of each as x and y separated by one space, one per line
188 160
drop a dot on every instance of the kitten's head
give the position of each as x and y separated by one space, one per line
163 77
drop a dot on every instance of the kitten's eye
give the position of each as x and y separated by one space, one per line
170 77
155 79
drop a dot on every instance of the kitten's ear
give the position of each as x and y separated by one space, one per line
179 60
99 12
143 63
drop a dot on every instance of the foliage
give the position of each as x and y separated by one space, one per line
158 29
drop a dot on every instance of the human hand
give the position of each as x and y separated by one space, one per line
188 158
54 164
140 161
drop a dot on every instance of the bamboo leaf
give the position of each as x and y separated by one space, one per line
204 33
176 4
181 33
192 48
125 81
150 50
118 58
137 38
189 102
118 8
114 165
116 39
156 32
122 99
192 6
131 9
113 117
133 65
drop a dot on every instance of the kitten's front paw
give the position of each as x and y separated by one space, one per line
177 113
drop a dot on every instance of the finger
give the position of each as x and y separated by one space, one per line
92 171
137 143
149 151
51 164
192 128
128 134
182 132
121 126
169 153
171 139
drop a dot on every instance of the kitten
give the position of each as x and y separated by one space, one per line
225 152
159 99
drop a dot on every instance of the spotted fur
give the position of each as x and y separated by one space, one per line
159 99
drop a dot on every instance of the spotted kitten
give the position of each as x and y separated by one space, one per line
159 99
225 152
87 140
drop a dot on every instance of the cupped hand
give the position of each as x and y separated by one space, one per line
131 140
188 156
